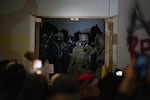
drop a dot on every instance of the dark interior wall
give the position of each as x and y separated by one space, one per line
82 25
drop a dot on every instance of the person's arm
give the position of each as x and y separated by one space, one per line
128 85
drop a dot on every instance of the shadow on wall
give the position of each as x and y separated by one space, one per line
9 48
8 20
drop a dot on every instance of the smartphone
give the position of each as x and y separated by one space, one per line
37 66
141 65
119 73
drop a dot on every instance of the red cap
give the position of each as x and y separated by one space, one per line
85 76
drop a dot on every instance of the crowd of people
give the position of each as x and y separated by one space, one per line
76 79
129 83
17 83
77 53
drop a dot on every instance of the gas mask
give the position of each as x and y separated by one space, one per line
83 40
59 37
83 43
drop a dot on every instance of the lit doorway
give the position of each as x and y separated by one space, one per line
73 25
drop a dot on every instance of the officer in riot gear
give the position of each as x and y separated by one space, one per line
80 58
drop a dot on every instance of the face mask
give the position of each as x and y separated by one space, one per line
83 43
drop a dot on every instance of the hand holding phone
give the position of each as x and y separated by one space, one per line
118 72
37 66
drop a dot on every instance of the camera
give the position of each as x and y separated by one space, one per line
141 65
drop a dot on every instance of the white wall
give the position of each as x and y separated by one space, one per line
113 7
73 7
124 11
125 7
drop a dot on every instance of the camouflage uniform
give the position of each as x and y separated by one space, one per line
100 45
80 59
99 53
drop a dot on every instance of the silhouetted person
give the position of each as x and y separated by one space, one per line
11 79
35 87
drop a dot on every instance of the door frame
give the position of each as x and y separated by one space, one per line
109 24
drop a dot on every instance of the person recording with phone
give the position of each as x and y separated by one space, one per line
36 67
136 82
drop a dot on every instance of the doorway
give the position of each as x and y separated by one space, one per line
71 26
